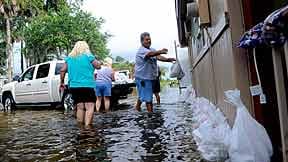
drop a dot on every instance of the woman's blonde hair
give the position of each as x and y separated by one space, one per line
79 48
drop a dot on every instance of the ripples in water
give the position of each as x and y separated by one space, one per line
122 135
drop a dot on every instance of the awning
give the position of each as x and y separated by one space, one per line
181 9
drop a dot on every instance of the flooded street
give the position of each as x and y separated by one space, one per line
118 136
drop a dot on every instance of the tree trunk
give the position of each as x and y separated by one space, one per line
35 56
22 59
38 60
67 50
9 48
45 57
60 52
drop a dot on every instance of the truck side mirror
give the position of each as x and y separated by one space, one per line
16 78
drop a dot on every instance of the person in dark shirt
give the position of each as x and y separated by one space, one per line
156 86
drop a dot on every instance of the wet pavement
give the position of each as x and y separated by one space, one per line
123 135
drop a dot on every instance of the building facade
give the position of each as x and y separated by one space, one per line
211 29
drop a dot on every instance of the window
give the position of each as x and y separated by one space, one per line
58 68
198 37
28 75
43 71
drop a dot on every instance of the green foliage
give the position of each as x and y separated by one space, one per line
123 66
121 63
56 33
119 59
52 27
163 71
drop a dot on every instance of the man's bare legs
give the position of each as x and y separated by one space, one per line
98 103
149 106
107 103
80 112
138 105
89 113
157 98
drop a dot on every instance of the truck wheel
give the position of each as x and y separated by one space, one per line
8 103
67 102
114 102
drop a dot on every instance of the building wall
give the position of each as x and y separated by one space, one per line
219 65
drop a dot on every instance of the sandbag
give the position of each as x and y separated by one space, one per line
249 141
188 96
176 71
211 130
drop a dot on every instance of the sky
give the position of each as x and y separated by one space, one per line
127 19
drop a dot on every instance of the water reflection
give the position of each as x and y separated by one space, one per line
150 123
124 135
90 145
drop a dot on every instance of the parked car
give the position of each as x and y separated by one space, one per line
39 86
123 75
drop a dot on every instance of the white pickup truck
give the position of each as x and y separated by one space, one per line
39 86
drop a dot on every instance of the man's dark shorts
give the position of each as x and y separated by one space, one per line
156 86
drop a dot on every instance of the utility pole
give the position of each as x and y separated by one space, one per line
176 53
21 55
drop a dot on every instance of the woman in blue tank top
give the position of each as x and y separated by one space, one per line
80 65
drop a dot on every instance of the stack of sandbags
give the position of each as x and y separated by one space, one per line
211 129
247 141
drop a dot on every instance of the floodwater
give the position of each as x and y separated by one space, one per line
123 135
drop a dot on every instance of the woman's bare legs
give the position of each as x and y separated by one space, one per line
89 112
80 112
107 103
98 103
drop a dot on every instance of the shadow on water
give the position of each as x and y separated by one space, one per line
152 141
90 145
124 135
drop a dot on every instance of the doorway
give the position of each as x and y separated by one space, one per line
266 114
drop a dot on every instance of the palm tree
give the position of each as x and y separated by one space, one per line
8 9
